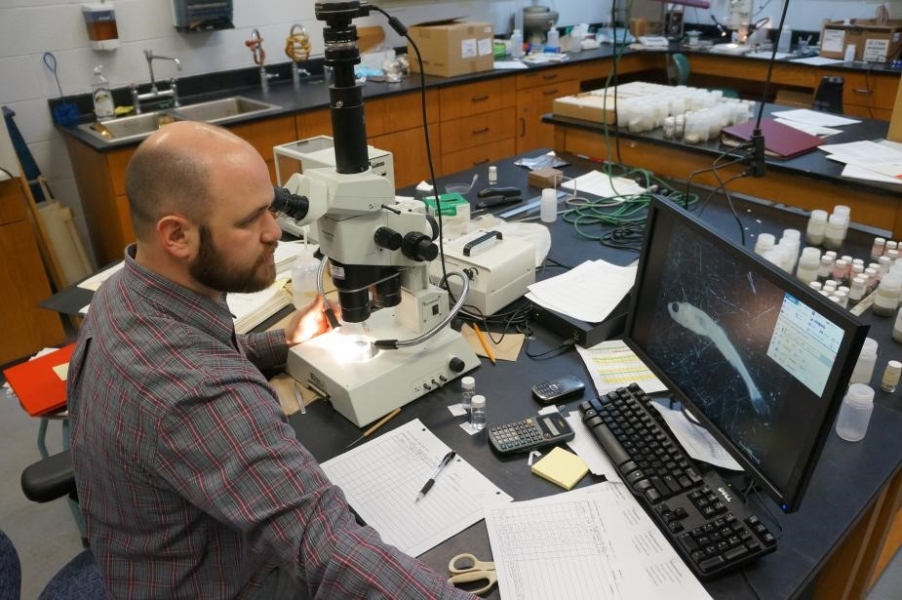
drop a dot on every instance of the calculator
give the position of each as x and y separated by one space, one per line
530 433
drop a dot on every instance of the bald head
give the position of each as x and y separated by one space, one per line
172 172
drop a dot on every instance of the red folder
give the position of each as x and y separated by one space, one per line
39 388
780 140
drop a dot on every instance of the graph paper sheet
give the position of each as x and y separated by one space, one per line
382 478
588 544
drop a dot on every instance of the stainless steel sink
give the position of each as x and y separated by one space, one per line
129 128
140 126
219 111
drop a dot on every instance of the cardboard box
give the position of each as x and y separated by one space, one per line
874 41
452 47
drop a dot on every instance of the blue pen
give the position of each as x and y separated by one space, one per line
438 470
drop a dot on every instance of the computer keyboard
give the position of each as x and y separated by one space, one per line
701 516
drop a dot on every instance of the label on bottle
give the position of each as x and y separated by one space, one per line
103 103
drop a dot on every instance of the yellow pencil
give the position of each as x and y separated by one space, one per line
485 344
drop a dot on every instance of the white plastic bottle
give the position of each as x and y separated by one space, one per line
467 391
548 207
477 412
103 98
553 42
855 412
516 44
817 225
785 41
867 360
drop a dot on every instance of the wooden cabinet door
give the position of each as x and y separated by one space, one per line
534 102
408 150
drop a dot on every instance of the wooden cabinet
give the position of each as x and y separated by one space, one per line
865 95
100 177
395 124
478 123
26 327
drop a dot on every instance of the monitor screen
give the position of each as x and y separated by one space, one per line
755 355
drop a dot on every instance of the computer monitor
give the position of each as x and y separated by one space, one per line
758 357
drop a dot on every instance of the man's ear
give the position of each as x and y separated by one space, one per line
178 237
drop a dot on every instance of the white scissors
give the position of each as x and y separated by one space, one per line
466 568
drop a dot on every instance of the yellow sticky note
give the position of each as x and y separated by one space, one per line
561 467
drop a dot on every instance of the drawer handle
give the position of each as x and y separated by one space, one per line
522 127
479 131
479 98
551 92
862 91
480 162
550 77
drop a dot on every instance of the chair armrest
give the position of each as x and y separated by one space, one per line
49 478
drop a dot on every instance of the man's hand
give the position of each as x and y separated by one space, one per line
307 323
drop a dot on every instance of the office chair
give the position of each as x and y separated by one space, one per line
79 579
828 97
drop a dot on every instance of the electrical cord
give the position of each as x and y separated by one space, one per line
8 173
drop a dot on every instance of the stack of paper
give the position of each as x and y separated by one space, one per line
250 310
588 292
871 161
561 467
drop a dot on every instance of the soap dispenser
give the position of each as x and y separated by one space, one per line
103 98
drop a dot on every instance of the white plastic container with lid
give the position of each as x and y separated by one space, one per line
103 98
548 208
864 366
784 43
809 264
553 40
817 225
855 412
467 391
516 44
878 248
764 243
835 232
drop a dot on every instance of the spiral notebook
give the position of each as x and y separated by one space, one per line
780 141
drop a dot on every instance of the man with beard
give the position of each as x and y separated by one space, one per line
192 483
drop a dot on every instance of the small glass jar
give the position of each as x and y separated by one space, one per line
878 247
891 375
826 267
477 412
467 391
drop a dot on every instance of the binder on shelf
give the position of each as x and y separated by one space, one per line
40 383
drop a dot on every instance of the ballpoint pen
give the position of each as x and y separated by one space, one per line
485 344
377 425
438 470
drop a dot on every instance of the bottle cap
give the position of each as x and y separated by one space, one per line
860 395
894 366
468 382
478 401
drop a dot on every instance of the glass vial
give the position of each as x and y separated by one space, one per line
891 376
548 209
477 412
864 366
878 247
855 412
493 175
467 390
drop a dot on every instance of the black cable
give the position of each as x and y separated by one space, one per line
8 173
558 350
770 67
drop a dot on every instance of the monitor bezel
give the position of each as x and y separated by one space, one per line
855 332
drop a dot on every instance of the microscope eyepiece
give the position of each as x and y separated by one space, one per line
289 204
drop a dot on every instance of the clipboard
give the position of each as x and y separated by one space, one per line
780 141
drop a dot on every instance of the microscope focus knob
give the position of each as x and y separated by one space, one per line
388 238
418 246
457 365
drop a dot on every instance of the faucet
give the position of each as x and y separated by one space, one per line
256 46
154 92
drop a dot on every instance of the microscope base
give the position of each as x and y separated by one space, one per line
366 390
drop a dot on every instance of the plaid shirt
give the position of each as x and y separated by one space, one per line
192 483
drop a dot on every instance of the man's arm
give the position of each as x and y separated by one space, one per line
257 478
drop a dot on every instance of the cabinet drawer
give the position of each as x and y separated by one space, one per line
116 162
477 130
263 135
471 157
399 113
475 98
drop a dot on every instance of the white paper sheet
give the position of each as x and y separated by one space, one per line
588 292
809 129
814 117
382 477
613 365
586 544
696 440
94 282
855 172
603 185
862 150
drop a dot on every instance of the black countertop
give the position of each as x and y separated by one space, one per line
314 93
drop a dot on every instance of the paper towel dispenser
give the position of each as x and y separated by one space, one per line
202 15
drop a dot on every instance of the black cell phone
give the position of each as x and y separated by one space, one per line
530 433
556 390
